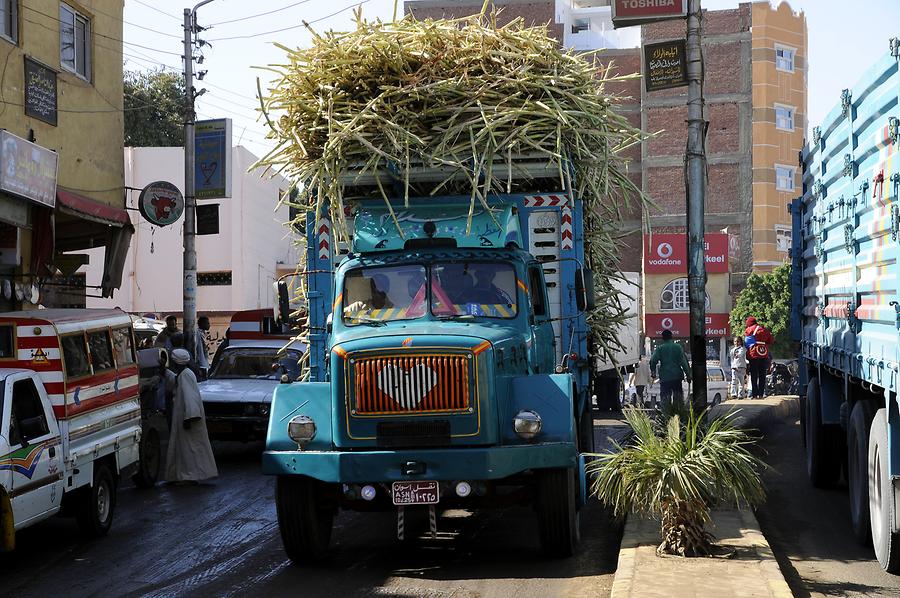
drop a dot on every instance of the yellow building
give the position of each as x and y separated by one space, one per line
62 92
779 70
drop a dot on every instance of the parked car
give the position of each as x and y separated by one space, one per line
716 388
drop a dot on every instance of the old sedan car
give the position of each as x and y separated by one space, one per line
716 388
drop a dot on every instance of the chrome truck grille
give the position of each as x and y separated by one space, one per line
389 384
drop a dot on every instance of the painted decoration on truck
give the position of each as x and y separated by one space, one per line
24 460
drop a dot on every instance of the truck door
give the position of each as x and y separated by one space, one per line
542 349
35 450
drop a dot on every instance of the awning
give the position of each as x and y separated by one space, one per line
90 209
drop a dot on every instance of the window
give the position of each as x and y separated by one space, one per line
536 291
27 412
74 42
485 289
75 355
784 117
214 279
9 19
101 351
252 362
382 294
784 177
715 374
208 219
122 346
784 58
782 238
674 296
579 25
7 342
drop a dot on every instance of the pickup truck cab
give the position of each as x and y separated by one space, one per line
71 419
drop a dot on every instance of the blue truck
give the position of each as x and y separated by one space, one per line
449 365
846 306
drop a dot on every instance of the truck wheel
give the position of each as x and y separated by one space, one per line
98 503
857 468
881 512
823 460
149 461
557 507
305 524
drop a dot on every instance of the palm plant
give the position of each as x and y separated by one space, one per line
678 468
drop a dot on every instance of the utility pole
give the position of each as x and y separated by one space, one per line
695 180
189 317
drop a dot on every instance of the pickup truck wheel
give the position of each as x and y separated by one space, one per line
98 503
823 460
881 512
149 461
557 507
857 468
305 524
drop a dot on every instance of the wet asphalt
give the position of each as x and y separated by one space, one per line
221 539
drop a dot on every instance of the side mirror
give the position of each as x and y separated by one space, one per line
329 323
282 307
585 298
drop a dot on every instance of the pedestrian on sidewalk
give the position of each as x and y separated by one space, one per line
640 379
190 457
673 368
757 340
738 357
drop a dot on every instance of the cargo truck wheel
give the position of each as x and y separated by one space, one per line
98 503
557 507
857 468
881 512
823 460
149 461
305 523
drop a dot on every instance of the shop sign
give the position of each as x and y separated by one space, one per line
212 158
667 253
665 65
626 13
680 324
161 203
27 169
40 91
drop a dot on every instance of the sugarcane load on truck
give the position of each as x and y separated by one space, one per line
471 172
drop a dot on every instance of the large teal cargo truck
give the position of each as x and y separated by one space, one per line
449 360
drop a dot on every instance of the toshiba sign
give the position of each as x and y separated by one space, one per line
633 12
667 253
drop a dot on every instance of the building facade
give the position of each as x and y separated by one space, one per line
242 243
62 184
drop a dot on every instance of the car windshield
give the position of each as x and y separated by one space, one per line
376 295
256 363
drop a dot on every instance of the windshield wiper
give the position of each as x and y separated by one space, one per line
370 321
456 317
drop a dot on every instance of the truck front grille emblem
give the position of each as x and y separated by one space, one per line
410 384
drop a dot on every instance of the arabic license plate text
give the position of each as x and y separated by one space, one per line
415 493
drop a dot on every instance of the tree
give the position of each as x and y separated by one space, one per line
768 298
154 109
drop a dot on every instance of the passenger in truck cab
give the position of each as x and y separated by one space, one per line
485 291
364 295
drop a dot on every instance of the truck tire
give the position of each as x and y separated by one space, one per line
150 460
305 524
881 512
823 460
98 503
857 468
557 507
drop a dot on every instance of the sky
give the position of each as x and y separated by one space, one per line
843 42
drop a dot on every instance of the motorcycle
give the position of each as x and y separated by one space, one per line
780 380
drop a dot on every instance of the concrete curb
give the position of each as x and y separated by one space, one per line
751 414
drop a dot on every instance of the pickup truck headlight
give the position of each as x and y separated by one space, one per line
302 429
527 424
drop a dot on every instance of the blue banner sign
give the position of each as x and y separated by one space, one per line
212 158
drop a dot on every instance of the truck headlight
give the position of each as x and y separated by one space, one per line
527 424
302 429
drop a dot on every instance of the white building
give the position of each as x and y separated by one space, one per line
587 25
242 242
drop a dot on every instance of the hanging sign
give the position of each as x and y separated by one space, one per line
665 65
28 170
161 203
626 13
212 158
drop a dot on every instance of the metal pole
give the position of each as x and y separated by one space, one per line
695 181
189 319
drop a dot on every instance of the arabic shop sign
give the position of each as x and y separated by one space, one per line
27 169
665 65
636 12
161 203
40 91
212 158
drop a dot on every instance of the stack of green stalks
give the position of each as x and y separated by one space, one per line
466 95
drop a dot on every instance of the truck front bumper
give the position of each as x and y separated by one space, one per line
480 463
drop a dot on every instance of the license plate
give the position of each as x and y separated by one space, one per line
415 493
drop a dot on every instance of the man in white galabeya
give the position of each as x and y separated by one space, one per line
190 457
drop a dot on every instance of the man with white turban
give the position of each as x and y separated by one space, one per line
190 457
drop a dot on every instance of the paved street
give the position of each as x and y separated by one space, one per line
222 539
809 529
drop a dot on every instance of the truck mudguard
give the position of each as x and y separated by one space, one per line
300 398
551 397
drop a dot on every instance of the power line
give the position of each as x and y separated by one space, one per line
262 14
162 12
117 18
304 24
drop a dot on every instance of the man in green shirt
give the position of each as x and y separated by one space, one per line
673 368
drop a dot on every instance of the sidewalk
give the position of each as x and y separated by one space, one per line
752 572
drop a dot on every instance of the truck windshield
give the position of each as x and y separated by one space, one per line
256 362
377 295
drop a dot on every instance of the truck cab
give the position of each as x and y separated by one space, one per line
441 372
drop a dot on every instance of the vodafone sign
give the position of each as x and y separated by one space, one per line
634 12
667 253
680 324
